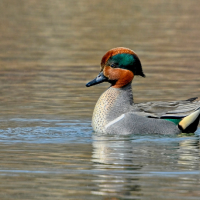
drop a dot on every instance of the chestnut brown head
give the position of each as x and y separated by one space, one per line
118 67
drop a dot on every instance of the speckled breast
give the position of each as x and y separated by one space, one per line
102 108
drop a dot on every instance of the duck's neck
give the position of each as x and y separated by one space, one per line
111 104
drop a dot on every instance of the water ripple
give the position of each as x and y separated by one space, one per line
45 131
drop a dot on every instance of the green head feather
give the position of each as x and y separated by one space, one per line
127 61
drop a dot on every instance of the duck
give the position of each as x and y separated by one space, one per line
116 113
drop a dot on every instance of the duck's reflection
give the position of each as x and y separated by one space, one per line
114 157
123 163
189 154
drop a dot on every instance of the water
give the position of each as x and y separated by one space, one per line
63 159
49 51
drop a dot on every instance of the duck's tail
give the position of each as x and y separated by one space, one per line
190 123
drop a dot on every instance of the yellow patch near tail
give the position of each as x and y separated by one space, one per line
186 121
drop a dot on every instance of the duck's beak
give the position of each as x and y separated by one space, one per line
99 79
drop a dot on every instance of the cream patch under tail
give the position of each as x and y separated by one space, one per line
190 123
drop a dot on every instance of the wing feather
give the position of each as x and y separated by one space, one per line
174 109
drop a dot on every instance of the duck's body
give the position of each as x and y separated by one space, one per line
116 113
112 103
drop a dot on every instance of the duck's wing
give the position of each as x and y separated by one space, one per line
172 109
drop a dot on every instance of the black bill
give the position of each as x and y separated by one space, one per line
99 79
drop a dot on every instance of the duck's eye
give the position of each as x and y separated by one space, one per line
113 65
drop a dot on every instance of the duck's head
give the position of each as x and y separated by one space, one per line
118 67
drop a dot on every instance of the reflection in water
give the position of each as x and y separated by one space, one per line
114 155
63 157
130 165
189 153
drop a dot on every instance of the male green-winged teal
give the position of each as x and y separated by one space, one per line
116 113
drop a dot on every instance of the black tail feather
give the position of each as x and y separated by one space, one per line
192 99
